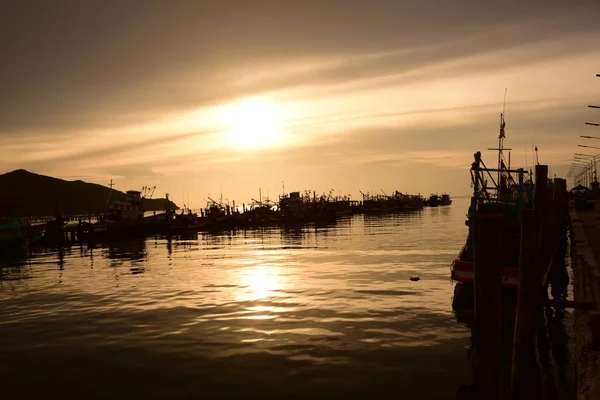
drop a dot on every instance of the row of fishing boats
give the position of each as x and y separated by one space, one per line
401 201
126 216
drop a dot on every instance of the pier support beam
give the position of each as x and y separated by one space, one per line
542 201
523 358
541 187
488 252
557 273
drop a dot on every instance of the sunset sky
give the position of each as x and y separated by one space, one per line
196 97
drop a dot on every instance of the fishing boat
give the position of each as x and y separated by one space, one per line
376 203
16 234
125 215
406 201
260 212
398 201
295 207
12 234
496 190
445 200
342 205
127 210
433 201
218 215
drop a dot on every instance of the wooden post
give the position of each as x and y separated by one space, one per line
523 358
541 184
542 201
489 256
557 273
560 198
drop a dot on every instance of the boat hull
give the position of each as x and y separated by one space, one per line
463 271
11 245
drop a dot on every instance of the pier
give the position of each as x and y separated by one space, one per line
585 253
126 216
512 326
65 218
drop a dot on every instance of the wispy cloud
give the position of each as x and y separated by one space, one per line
372 95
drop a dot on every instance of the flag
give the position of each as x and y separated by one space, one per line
502 125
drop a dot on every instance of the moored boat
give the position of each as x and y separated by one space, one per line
16 234
433 201
12 234
508 195
391 203
445 200
260 213
462 268
125 215
305 208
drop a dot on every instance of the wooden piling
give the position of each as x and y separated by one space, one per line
523 358
488 255
560 196
542 201
557 271
541 185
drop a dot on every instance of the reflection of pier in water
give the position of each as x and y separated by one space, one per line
132 251
288 235
400 218
17 264
14 265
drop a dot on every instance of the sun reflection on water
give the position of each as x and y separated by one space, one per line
260 282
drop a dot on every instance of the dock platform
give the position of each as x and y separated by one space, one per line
585 253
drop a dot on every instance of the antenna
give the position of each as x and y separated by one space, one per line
110 186
501 136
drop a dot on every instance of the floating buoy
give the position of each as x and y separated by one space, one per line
415 278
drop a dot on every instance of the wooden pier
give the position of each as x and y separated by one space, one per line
585 250
65 218
544 223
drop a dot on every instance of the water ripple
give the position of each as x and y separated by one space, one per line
283 312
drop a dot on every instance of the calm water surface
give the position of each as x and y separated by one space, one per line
272 312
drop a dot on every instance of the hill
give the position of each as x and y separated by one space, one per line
24 193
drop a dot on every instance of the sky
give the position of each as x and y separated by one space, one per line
203 98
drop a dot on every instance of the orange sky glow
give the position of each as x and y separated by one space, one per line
353 105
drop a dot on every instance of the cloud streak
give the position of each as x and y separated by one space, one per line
372 89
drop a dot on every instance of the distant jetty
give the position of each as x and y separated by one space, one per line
61 215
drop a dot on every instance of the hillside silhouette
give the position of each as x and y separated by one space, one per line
24 193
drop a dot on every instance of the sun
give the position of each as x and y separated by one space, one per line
253 124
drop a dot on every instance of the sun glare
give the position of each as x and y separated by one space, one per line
253 124
260 282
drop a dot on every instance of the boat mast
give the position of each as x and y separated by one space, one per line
110 186
501 138
500 149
